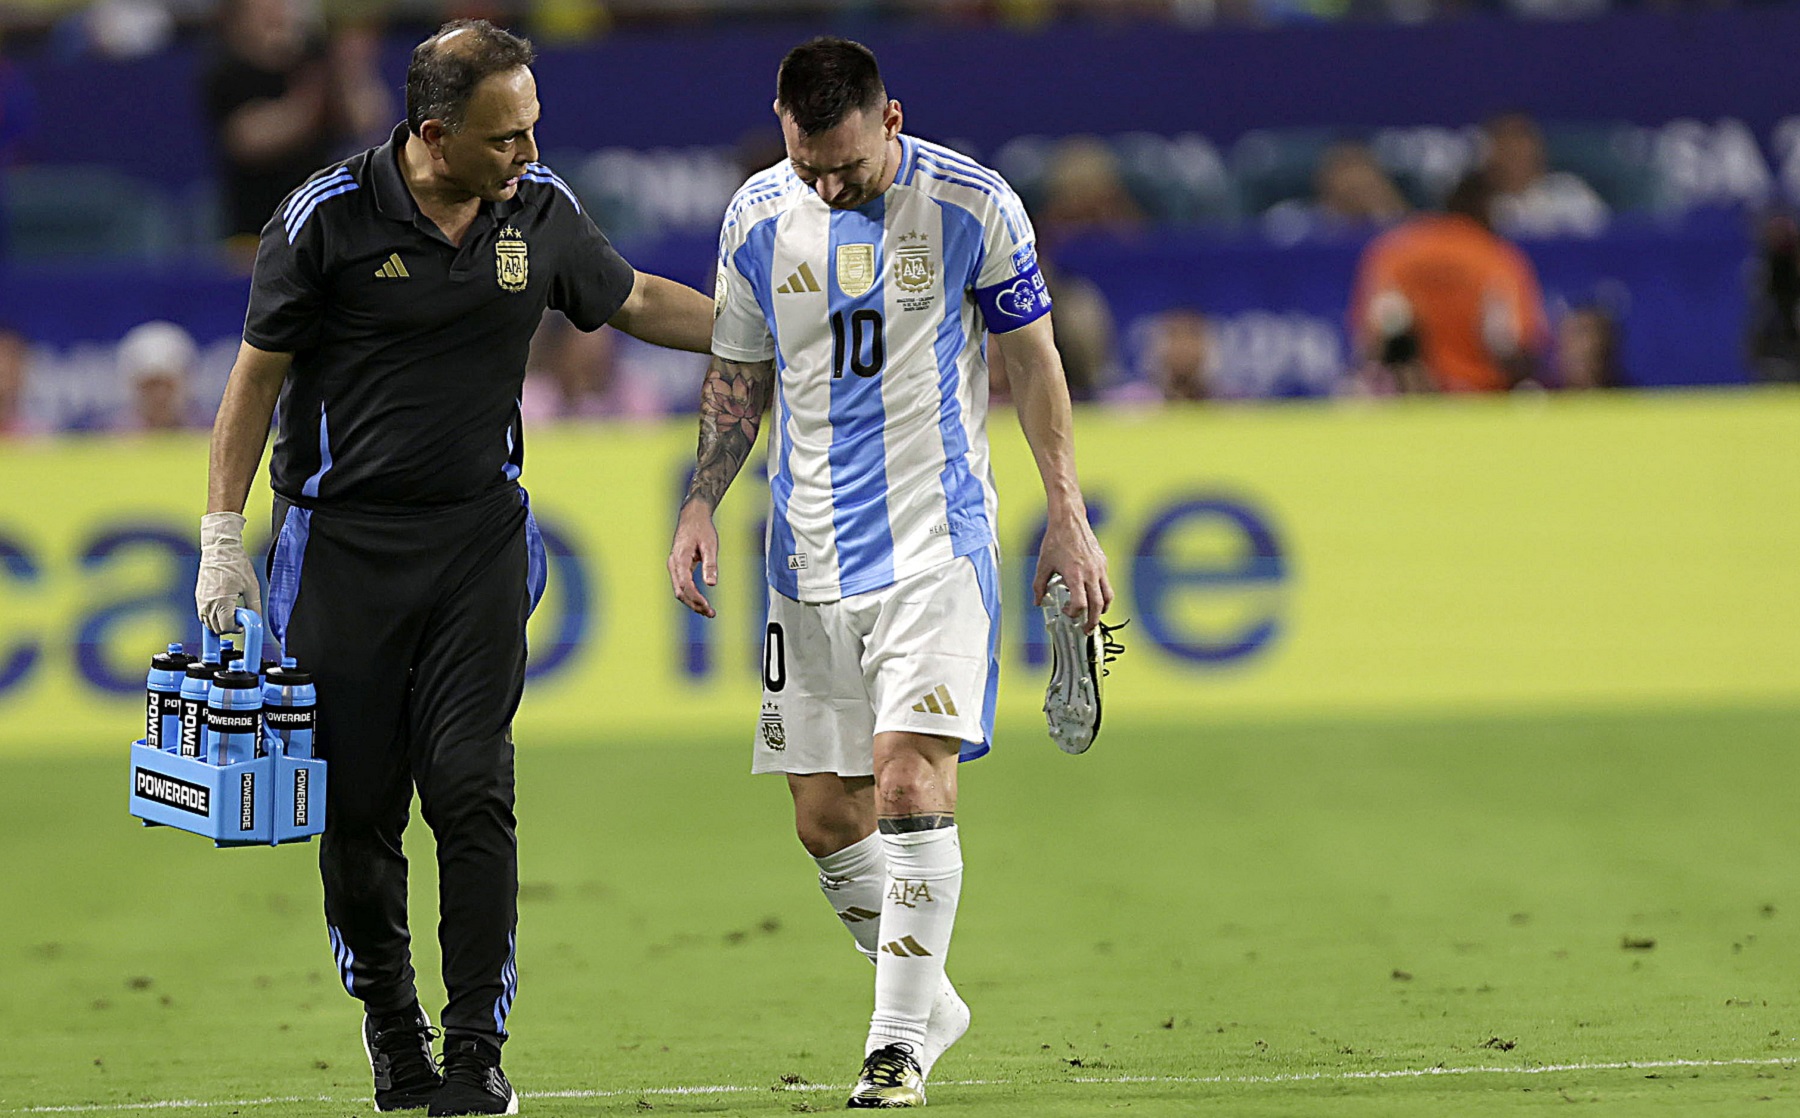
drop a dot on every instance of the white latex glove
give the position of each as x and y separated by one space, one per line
226 573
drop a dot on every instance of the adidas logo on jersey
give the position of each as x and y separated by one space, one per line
905 947
393 269
801 281
937 702
855 915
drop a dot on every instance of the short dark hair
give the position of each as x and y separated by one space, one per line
441 78
1473 197
824 80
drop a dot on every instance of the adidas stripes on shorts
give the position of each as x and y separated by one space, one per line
920 655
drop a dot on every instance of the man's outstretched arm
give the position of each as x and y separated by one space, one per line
732 402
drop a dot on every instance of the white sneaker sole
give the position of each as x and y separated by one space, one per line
1072 701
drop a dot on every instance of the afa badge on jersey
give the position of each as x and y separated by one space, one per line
855 269
512 261
913 270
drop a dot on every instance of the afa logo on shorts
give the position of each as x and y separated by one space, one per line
774 732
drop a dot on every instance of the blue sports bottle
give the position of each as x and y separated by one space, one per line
234 703
162 708
196 682
289 708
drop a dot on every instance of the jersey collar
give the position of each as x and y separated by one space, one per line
392 198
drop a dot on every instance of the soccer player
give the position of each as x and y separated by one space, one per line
859 283
394 298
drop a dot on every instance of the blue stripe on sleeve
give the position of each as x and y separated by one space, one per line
298 221
537 172
310 190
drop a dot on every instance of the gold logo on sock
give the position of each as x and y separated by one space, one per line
904 947
912 894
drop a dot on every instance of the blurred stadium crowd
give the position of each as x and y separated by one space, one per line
1434 292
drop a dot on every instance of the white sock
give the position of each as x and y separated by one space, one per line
918 912
852 880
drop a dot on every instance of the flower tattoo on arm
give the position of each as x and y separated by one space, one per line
732 402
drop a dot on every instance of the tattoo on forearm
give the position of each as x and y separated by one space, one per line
732 402
908 824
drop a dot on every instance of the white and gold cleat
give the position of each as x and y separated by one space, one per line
890 1079
1077 667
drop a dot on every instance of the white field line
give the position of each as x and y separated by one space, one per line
1121 1080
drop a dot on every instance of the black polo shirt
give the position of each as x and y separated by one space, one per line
409 352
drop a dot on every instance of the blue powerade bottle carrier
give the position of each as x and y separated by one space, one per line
242 789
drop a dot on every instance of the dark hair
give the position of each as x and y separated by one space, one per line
441 78
1474 198
824 80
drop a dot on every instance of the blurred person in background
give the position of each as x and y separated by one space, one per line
1176 360
1587 349
15 370
156 362
1774 342
1530 200
1353 190
573 374
1084 191
283 102
1179 356
1352 193
1442 302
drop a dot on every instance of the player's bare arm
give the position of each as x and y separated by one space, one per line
1041 393
732 401
665 313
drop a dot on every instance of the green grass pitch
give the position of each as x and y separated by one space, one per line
1474 916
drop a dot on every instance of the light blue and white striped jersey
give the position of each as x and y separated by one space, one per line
877 319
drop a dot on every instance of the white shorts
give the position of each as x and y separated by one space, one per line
921 656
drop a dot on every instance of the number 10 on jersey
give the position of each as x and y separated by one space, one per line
861 340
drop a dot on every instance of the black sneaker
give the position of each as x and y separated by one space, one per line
473 1081
399 1048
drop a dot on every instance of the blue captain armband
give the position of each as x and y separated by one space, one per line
1018 302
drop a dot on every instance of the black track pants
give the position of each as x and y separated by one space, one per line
413 625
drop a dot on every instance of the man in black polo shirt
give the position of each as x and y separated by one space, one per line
394 299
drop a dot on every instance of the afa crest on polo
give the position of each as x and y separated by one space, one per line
512 260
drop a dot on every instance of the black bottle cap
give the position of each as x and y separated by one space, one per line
171 661
233 680
289 677
202 669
